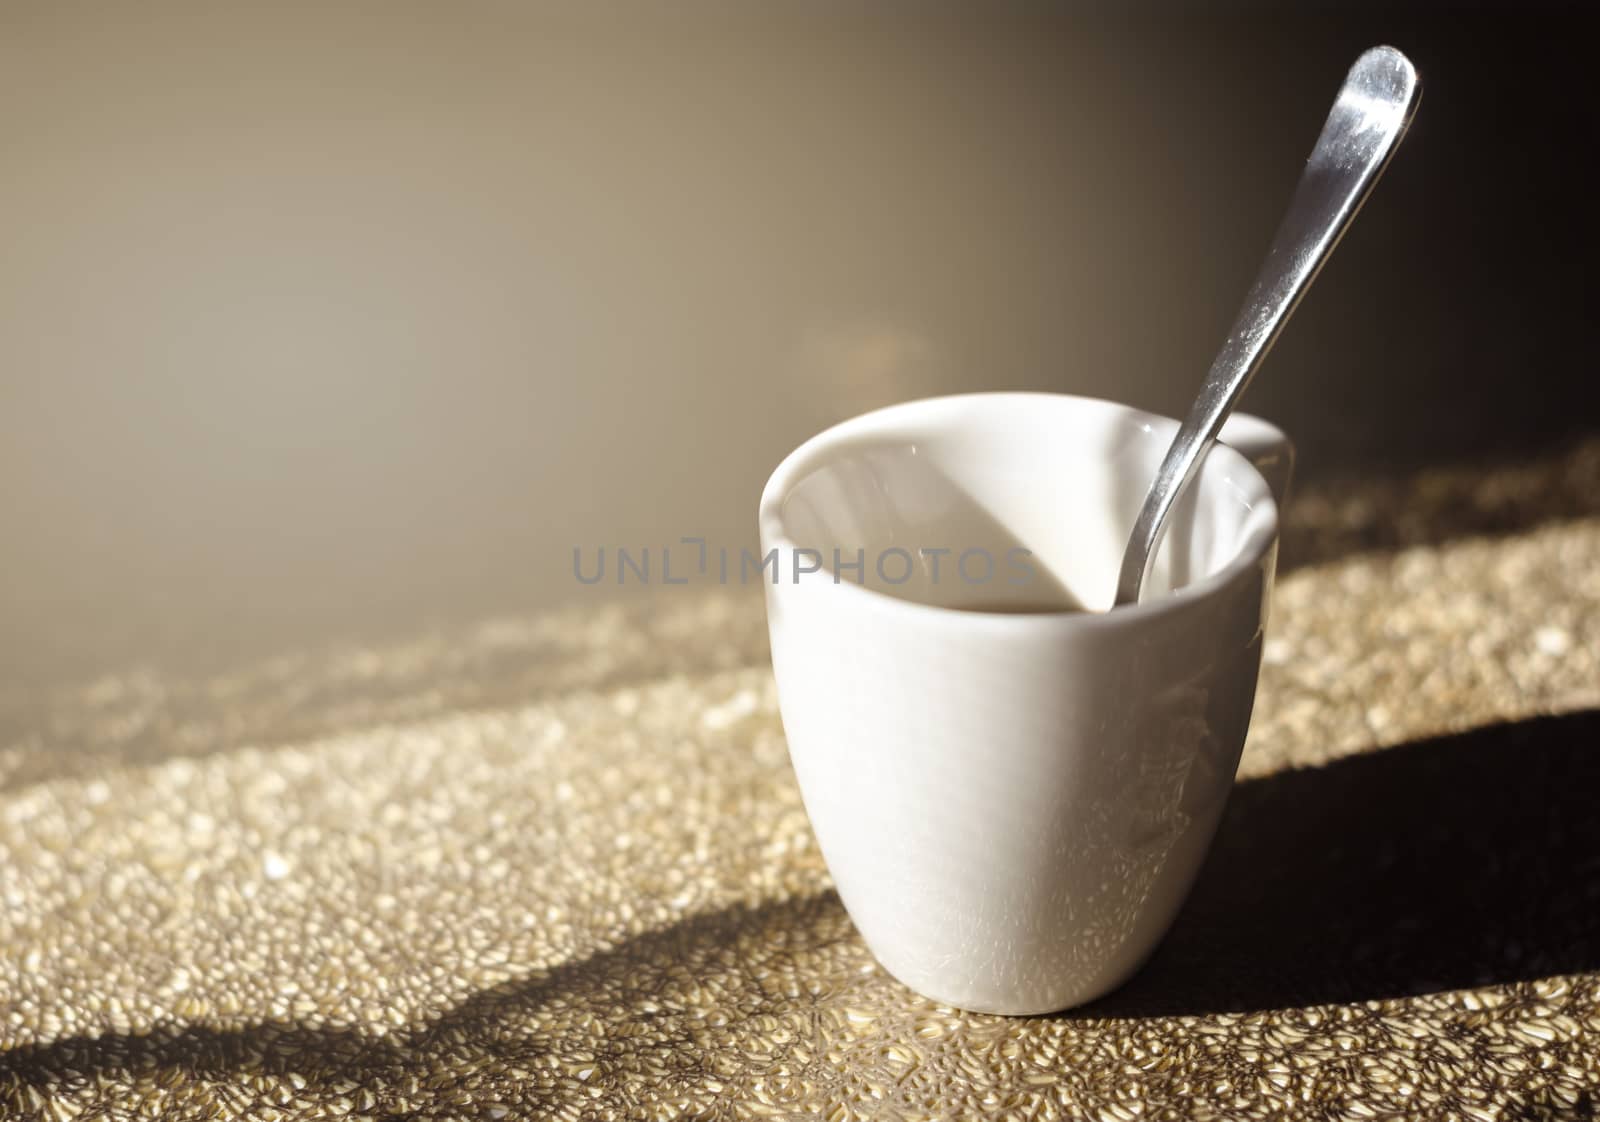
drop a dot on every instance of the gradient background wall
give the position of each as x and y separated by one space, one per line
324 323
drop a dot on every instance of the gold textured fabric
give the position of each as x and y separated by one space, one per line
558 868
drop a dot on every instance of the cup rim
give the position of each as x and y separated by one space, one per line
801 462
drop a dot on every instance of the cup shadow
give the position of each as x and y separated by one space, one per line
1460 861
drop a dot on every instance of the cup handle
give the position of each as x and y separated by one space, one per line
1267 447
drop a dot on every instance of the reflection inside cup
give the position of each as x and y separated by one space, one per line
956 516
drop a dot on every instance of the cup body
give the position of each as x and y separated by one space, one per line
1013 804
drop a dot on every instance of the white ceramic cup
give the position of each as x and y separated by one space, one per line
1014 806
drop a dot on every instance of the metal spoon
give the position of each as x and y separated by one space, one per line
1368 119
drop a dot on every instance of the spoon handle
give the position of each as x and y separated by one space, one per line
1368 119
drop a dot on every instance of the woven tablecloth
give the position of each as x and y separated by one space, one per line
558 867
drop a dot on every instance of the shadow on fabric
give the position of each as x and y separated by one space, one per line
1461 861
